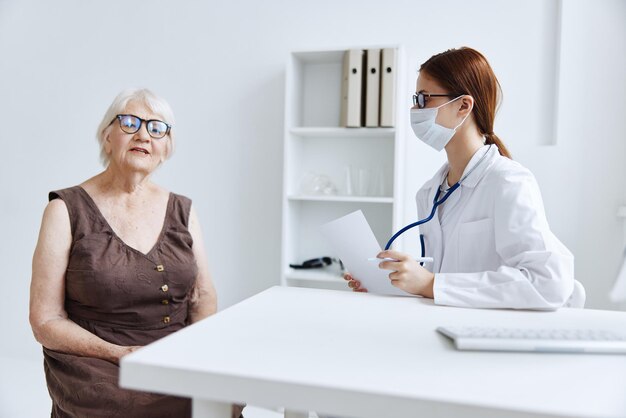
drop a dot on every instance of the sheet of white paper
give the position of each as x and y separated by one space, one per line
618 293
354 242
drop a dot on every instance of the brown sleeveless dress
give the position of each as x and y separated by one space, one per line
124 297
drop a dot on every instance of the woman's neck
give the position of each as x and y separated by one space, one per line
460 151
112 181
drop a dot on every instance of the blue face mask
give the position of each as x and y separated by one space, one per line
429 131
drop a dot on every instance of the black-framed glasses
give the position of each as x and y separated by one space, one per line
130 124
419 99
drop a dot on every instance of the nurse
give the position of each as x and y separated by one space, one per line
489 237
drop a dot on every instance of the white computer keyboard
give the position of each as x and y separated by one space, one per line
542 340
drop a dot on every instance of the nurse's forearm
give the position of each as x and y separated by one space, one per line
508 287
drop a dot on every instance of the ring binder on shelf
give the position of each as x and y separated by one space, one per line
352 83
372 88
388 87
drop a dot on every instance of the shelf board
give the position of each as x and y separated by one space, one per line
338 198
338 132
319 57
317 276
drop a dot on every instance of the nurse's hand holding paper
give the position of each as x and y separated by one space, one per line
353 241
406 274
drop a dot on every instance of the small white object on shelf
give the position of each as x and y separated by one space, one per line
318 185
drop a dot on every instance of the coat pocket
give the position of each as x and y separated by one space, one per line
477 249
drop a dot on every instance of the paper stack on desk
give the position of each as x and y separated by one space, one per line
353 241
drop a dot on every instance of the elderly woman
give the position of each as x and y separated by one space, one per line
119 264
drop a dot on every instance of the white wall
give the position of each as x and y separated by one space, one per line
221 66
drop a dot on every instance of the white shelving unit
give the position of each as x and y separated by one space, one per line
315 144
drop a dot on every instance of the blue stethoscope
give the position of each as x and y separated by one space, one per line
436 203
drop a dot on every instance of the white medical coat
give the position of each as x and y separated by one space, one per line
496 249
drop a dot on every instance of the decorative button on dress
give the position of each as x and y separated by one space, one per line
124 297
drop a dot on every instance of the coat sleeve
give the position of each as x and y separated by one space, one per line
537 270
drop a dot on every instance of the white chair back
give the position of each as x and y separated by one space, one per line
578 297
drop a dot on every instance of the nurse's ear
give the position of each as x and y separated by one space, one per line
466 105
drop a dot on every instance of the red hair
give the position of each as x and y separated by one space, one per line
466 71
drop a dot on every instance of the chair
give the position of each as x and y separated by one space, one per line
577 298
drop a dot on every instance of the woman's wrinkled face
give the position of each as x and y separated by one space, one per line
139 151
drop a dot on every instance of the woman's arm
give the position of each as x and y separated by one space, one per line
203 301
48 318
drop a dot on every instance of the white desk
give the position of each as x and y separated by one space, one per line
373 356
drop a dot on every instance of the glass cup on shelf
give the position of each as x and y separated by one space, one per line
349 191
378 183
363 181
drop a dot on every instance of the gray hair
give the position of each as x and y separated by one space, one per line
156 104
